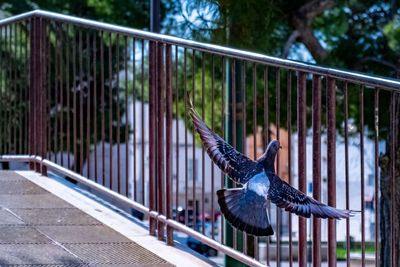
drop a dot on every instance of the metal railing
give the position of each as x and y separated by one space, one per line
106 105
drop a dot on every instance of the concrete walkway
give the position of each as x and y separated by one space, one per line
39 228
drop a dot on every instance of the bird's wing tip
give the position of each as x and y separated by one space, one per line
352 213
192 111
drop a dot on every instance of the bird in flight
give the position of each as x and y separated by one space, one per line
246 207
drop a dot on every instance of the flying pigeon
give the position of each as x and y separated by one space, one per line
246 207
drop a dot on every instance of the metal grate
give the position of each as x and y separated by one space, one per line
82 234
7 218
45 201
47 265
35 254
39 229
20 187
10 176
116 253
20 234
64 216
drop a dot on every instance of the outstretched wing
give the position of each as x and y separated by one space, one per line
295 201
236 165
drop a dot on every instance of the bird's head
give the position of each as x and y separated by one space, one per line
273 147
268 158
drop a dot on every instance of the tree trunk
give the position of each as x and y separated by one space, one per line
390 191
301 22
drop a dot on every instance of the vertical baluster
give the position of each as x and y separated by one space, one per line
302 128
331 114
168 131
316 162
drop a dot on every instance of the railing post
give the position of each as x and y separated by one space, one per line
316 162
37 95
33 88
152 118
168 137
160 137
302 131
42 129
331 114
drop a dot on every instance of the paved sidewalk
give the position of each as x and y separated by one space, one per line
38 228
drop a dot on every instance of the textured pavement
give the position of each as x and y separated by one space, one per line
40 229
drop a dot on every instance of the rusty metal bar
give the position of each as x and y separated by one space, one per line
346 157
2 86
12 86
266 138
56 90
142 121
110 120
2 95
17 128
134 128
186 137
89 99
102 103
61 87
277 125
376 173
255 132
94 50
194 204
160 136
49 92
316 160
81 138
118 132
392 137
27 89
168 137
361 106
331 146
152 166
243 141
74 104
302 131
289 129
212 128
44 100
67 78
127 122
225 110
33 88
177 131
234 130
53 92
203 181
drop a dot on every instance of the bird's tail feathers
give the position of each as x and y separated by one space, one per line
244 212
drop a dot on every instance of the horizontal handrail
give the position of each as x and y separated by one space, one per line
355 77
